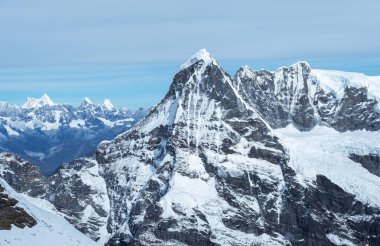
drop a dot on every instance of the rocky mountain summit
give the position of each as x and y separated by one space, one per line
285 157
63 132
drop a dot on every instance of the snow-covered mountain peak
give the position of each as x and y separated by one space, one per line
87 104
86 100
244 72
125 109
32 103
298 66
46 97
202 54
108 104
302 63
245 67
6 107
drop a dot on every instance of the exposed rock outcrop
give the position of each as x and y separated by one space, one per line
10 214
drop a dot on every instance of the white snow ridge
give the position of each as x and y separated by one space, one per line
32 103
202 54
108 105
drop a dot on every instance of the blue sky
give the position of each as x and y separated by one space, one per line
128 51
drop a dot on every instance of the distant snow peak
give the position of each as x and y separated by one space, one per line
202 54
32 103
6 106
246 67
108 104
86 100
125 109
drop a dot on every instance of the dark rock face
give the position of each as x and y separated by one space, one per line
22 175
10 214
358 217
293 92
293 95
78 191
281 97
309 215
356 111
370 162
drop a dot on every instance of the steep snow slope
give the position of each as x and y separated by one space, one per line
50 228
325 151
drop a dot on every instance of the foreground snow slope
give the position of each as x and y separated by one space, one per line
51 229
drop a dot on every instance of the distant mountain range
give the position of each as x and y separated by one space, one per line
50 134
